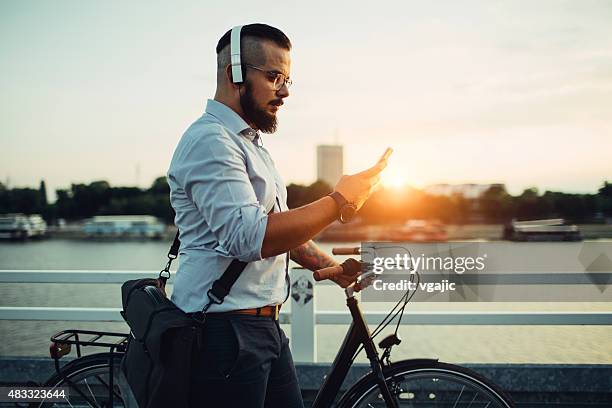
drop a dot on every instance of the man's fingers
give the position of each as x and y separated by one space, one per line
328 273
375 180
375 187
374 170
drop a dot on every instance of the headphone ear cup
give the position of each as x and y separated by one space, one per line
231 76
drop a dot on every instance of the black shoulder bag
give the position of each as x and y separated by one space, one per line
157 362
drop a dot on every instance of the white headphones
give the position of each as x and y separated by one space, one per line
235 55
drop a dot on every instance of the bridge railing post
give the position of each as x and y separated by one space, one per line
303 319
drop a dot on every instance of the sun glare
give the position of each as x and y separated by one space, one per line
393 177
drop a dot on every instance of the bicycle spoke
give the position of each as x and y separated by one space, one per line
473 399
91 392
107 385
459 397
88 384
78 390
444 388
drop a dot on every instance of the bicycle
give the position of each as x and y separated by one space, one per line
408 383
90 379
415 383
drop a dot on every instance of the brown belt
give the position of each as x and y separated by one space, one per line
265 311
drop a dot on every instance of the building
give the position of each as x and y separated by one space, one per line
330 163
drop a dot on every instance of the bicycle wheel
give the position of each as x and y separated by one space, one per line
88 383
427 383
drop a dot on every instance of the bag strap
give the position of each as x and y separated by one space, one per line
222 286
175 246
164 274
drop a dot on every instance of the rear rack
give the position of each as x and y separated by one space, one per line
61 342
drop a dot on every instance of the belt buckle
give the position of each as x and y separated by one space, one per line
276 312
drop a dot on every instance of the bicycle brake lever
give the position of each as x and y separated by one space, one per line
365 280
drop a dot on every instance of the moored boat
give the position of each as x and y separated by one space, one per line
554 229
124 226
22 226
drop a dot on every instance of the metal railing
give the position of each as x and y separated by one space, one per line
302 317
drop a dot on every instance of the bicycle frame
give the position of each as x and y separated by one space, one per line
358 334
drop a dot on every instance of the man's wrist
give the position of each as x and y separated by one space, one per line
346 209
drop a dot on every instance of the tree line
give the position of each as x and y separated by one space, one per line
495 205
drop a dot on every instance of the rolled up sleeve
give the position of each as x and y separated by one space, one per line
212 171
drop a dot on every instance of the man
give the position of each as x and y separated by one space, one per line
230 203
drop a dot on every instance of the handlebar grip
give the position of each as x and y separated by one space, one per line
328 272
346 251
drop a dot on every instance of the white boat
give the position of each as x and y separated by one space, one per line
22 226
554 229
124 226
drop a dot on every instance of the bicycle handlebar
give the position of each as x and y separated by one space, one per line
346 251
349 267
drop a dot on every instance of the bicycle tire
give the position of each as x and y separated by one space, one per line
427 383
90 375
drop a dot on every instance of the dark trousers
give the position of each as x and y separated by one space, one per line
244 362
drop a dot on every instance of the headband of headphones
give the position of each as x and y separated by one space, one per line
235 55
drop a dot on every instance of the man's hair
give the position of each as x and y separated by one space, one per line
251 50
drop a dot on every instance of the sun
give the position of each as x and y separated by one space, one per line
393 177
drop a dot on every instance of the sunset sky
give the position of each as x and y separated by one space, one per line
474 91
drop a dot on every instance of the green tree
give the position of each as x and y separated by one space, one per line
88 199
496 204
605 190
605 199
298 195
25 200
160 186
64 205
42 189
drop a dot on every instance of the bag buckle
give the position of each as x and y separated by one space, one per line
165 273
200 317
213 298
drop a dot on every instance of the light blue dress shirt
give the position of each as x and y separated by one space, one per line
223 183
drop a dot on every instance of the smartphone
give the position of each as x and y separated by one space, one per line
386 154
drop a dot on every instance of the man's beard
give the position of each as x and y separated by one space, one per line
263 120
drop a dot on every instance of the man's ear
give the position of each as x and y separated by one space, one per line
228 73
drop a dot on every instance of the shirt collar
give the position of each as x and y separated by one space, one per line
230 119
252 135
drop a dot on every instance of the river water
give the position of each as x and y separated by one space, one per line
457 344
